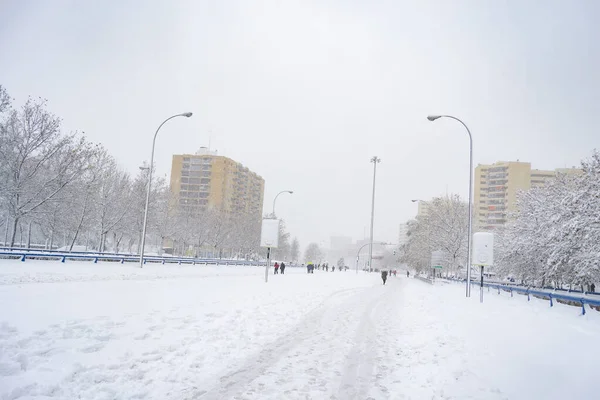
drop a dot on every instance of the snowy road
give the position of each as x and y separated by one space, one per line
116 332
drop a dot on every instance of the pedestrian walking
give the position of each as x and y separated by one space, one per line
276 268
407 274
282 268
384 275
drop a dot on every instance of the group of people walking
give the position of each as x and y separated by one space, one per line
385 273
279 267
310 268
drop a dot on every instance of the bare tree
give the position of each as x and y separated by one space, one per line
295 250
445 228
38 162
313 253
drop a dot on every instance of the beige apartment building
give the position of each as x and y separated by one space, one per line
208 180
422 208
497 185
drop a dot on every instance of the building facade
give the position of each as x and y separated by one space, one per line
210 181
497 185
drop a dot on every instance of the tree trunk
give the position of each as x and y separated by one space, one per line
20 236
85 201
117 242
51 239
13 235
29 235
5 244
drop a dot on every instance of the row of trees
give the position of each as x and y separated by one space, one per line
443 228
313 253
60 190
554 237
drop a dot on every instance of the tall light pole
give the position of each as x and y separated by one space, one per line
375 161
187 115
433 118
275 199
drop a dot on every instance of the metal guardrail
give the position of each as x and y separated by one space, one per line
122 258
476 281
422 278
546 294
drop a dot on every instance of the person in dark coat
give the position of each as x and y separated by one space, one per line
384 275
282 267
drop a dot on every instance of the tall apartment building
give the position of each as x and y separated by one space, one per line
208 180
497 186
422 207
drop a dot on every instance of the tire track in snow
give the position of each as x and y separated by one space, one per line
233 383
356 378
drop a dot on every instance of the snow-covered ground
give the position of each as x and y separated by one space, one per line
111 331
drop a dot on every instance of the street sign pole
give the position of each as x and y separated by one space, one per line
269 238
483 254
481 287
268 264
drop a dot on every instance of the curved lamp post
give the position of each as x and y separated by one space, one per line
433 118
275 199
362 247
187 115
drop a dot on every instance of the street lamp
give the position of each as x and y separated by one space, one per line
375 160
187 115
433 118
275 199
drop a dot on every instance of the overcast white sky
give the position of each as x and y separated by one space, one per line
305 92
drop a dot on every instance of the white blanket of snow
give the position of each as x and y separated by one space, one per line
111 331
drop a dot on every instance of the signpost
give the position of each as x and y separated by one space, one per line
269 238
483 254
437 260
